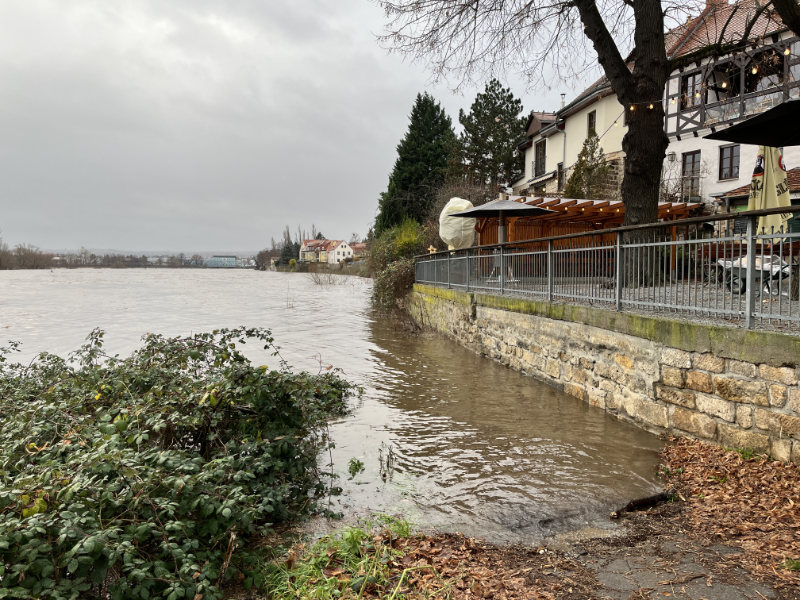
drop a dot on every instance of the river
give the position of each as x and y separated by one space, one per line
448 439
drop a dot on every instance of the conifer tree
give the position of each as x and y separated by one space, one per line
590 175
492 130
424 157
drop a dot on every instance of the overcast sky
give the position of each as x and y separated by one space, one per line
187 125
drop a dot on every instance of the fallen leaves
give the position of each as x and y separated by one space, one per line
749 503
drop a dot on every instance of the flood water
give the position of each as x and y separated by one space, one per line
448 439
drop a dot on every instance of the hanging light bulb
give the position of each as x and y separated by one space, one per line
754 70
724 84
632 108
650 106
787 51
672 101
697 94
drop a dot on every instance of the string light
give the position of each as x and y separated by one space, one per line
632 107
650 106
724 84
787 52
754 70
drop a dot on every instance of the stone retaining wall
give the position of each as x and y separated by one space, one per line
736 387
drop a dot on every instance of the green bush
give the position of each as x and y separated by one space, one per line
392 263
153 475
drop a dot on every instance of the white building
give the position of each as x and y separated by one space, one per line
710 94
338 251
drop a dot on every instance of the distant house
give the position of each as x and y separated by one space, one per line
338 250
222 262
311 250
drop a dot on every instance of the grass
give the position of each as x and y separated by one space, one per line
344 565
793 564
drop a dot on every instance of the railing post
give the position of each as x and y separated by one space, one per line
448 270
549 270
618 286
467 276
502 272
750 291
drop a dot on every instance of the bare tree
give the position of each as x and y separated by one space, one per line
540 37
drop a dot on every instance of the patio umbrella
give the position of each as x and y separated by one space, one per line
502 209
769 188
775 127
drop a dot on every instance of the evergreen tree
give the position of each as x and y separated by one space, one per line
492 130
424 157
590 175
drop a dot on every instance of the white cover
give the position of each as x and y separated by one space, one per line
456 232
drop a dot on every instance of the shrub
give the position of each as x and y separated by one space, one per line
393 283
392 264
150 476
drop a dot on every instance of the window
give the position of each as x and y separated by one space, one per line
539 155
591 124
690 175
691 90
560 176
729 162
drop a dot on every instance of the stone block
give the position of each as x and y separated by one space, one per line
608 386
708 362
575 391
733 437
673 357
673 377
700 381
552 368
642 409
586 363
613 400
673 396
778 394
578 375
781 450
694 423
744 416
784 375
596 398
741 390
608 371
716 407
794 400
738 367
790 425
624 361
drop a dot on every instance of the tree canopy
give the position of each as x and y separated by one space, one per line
424 158
589 176
492 129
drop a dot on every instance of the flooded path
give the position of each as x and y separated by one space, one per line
449 439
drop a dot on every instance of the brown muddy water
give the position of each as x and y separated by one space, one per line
448 439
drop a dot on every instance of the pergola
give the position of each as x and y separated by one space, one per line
572 216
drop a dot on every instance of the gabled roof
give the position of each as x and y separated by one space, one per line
722 23
314 244
743 191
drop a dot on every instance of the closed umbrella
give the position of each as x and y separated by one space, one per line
769 189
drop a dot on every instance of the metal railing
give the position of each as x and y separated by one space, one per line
707 267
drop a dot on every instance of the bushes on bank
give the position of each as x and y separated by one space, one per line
392 263
151 476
